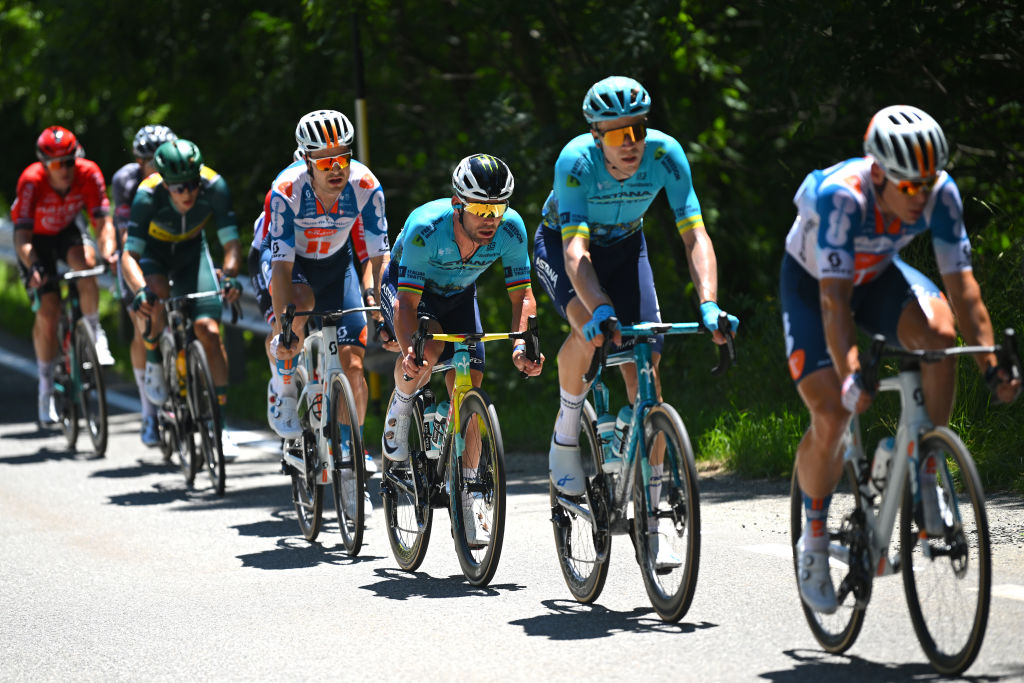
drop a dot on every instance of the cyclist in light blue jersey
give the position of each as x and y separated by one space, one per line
590 250
444 247
842 271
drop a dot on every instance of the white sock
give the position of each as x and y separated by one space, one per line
94 320
567 424
654 493
276 385
469 473
46 375
286 371
148 409
401 405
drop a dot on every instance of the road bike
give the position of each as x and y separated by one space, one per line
78 388
947 577
191 406
618 499
456 461
330 432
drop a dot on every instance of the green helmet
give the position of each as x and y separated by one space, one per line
178 161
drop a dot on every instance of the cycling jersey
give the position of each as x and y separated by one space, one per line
429 260
840 233
123 186
40 208
588 201
301 226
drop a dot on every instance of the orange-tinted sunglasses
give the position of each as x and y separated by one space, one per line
59 163
617 136
912 187
327 163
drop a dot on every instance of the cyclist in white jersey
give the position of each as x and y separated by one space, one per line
842 271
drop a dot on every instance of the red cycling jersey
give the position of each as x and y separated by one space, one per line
39 207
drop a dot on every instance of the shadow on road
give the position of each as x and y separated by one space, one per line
298 553
569 620
396 584
42 455
816 665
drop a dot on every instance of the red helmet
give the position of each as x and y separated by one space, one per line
55 142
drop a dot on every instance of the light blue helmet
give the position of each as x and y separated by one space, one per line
615 97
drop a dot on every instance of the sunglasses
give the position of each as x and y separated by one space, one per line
486 210
59 163
327 163
182 188
617 136
911 188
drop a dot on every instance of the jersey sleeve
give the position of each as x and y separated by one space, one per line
220 201
23 211
94 191
572 177
515 257
678 182
839 212
281 225
141 216
949 235
415 256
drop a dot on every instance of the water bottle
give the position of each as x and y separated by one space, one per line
621 437
437 436
880 464
428 430
606 433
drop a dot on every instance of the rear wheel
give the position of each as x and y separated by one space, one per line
948 579
92 394
835 632
307 495
407 510
206 414
582 536
477 501
666 516
349 474
174 417
63 400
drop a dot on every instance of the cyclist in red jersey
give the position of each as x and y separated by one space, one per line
51 195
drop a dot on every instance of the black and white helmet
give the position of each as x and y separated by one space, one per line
323 129
149 138
483 178
907 143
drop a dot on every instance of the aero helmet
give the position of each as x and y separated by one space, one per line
483 178
178 161
907 143
54 142
615 97
323 129
149 138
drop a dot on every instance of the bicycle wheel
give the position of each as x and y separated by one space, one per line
63 399
406 499
348 477
92 394
835 632
206 414
307 494
582 536
948 580
479 499
669 553
174 418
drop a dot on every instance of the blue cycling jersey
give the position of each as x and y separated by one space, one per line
429 260
840 233
588 201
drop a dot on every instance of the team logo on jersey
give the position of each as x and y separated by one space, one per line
572 181
659 153
366 182
418 241
285 188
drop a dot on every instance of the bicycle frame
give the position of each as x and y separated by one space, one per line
70 316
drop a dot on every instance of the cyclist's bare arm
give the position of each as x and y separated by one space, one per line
23 248
232 259
971 314
523 306
840 330
580 269
282 294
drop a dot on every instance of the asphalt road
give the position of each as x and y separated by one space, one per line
110 569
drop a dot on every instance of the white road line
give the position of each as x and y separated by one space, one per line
1008 590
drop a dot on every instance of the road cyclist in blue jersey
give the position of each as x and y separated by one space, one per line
445 245
841 271
592 257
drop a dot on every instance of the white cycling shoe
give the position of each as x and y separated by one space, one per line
228 446
565 469
103 354
47 409
935 509
478 532
154 384
348 484
284 418
395 440
814 580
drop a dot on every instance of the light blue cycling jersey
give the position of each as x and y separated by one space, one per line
588 201
840 233
429 261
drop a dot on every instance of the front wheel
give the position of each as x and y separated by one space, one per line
307 494
348 477
583 540
92 394
206 414
406 499
64 401
666 514
477 491
948 577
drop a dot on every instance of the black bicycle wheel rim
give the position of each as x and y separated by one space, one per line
206 415
93 394
344 412
407 511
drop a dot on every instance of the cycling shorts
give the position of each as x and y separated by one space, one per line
51 248
189 269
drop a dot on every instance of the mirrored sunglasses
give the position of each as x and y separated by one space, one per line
59 163
486 210
912 187
617 136
182 188
327 163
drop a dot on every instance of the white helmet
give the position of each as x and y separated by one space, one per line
483 178
297 154
907 143
323 129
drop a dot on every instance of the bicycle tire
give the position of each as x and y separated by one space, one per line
487 491
348 497
584 548
206 414
174 417
92 392
960 572
407 511
835 632
63 401
670 588
307 494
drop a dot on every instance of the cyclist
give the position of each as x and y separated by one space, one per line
166 243
592 257
842 270
314 207
443 248
259 262
124 185
51 195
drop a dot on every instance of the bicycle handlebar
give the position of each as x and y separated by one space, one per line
330 317
530 335
87 272
173 303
